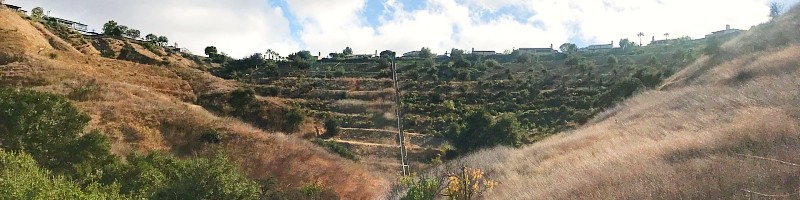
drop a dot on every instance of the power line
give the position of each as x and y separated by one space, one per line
400 135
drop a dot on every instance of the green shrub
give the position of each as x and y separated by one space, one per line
44 125
331 127
46 129
242 100
156 176
506 131
22 178
421 188
52 55
294 118
309 191
336 148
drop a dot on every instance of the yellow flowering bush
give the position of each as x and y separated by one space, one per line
467 184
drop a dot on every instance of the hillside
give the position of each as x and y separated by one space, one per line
152 106
535 95
725 127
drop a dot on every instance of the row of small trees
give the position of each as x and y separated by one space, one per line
114 29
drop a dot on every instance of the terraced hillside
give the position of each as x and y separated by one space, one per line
365 110
724 127
546 94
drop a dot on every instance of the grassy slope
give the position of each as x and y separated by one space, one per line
144 107
695 138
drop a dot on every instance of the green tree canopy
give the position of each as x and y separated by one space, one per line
347 51
211 51
456 54
425 52
38 123
111 28
133 33
388 54
568 48
162 40
151 37
123 29
625 43
506 131
37 13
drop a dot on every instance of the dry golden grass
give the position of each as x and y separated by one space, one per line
351 106
693 139
149 108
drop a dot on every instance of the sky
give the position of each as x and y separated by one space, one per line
243 27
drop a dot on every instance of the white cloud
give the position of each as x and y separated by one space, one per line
247 26
445 24
238 28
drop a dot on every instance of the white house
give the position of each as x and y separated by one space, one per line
598 47
484 53
728 30
537 51
15 8
71 24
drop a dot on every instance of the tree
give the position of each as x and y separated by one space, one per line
506 131
456 54
473 136
294 118
625 43
133 33
666 36
347 51
775 10
211 51
37 13
151 37
425 52
301 56
388 54
301 59
49 128
123 30
641 34
111 28
568 48
162 40
331 127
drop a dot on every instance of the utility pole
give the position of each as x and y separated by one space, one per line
400 136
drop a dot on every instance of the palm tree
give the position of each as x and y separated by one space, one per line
269 54
666 35
641 34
